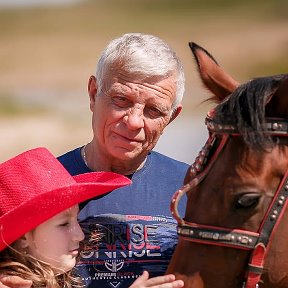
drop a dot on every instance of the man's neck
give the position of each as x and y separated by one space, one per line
97 161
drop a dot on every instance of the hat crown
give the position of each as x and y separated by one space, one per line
26 175
34 186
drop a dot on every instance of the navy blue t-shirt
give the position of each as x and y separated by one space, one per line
135 223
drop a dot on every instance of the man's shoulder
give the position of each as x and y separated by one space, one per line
166 160
160 165
68 156
73 162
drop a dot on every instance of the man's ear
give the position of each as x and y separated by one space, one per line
175 113
92 91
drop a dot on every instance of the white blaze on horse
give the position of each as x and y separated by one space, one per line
235 230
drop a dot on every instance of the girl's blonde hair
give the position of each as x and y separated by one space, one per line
15 263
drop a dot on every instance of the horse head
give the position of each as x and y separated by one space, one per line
234 232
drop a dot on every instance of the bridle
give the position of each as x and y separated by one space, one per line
256 242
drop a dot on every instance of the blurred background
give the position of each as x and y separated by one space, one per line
48 50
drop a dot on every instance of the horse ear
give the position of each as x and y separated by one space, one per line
277 105
212 75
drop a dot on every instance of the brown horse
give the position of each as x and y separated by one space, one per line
235 230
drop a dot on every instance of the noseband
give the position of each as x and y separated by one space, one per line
256 242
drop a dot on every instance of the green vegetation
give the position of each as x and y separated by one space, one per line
278 66
113 15
11 107
52 48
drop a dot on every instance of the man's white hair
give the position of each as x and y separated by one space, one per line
142 54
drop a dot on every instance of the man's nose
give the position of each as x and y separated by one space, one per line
134 118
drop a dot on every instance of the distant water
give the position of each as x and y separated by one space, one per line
29 3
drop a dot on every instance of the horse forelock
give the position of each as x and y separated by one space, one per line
245 109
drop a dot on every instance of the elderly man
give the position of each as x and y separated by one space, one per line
136 92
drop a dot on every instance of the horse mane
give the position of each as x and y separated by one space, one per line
245 110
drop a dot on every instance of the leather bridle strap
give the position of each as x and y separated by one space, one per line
268 226
235 238
196 174
206 234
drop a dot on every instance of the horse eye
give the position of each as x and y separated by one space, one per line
248 200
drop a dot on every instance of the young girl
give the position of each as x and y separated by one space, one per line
39 231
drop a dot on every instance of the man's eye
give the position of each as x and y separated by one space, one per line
154 112
119 100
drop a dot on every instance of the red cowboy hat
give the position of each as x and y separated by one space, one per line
34 186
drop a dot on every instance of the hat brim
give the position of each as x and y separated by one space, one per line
37 210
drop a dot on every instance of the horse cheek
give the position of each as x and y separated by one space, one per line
277 273
193 281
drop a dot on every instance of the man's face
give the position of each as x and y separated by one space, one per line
56 241
129 116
